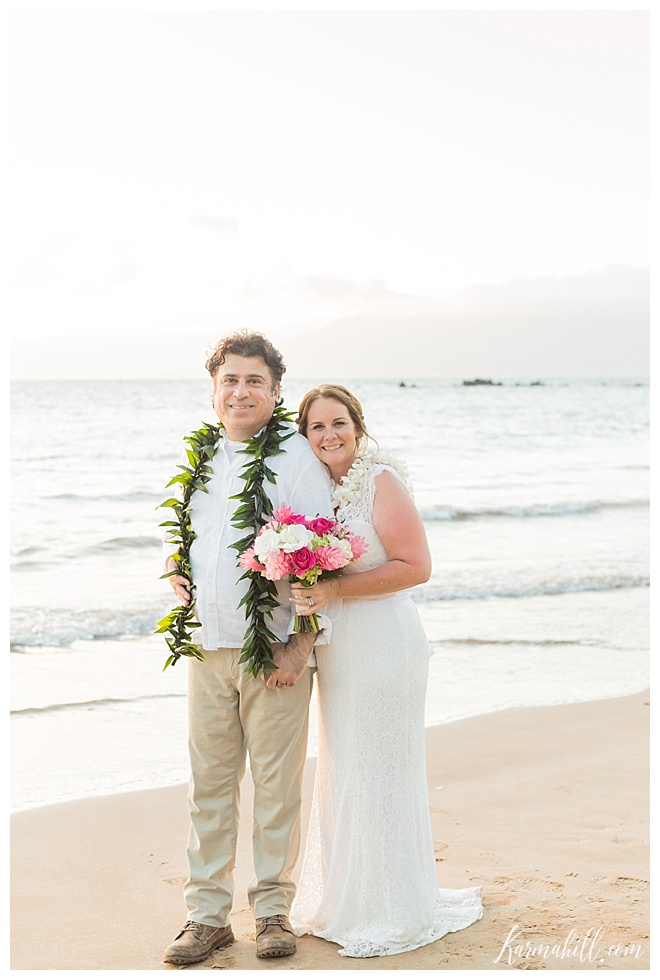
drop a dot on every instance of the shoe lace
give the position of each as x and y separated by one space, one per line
195 927
272 920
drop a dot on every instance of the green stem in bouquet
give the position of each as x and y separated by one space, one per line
306 624
310 623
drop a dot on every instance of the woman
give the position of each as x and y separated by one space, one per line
368 880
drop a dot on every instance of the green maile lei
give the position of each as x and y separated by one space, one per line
253 511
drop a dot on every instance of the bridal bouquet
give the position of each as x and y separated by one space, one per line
304 548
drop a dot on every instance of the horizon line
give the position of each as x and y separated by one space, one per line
397 379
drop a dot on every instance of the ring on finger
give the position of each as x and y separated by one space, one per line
310 601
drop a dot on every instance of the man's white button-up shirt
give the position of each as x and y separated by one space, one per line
303 484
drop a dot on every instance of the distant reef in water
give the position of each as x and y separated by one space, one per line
499 384
594 324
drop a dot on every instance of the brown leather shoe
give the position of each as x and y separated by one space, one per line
275 937
196 941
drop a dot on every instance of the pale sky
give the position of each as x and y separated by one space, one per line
185 173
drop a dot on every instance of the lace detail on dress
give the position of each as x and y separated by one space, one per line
454 910
363 949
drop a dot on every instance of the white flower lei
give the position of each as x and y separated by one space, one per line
348 489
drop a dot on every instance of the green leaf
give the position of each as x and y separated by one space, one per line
255 507
179 478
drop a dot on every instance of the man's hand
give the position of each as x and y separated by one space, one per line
179 583
291 659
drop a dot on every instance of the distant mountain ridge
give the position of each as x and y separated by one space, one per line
594 324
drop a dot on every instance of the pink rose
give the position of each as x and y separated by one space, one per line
277 565
303 560
358 545
249 562
285 515
321 526
330 558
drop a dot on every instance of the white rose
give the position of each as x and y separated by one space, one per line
343 545
266 543
293 537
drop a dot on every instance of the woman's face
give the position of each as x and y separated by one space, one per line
332 435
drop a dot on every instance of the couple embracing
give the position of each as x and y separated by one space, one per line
368 879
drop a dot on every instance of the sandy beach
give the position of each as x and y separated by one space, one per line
547 808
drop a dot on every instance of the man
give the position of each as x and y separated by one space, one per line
231 712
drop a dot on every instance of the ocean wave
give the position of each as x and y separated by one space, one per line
62 627
133 496
474 642
512 590
28 552
31 558
87 705
116 544
43 627
445 512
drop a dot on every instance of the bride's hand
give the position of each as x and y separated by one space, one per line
320 594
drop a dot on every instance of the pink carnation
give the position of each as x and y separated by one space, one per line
321 525
330 557
303 560
278 564
285 515
358 545
249 562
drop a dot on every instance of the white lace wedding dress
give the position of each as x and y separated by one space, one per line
368 881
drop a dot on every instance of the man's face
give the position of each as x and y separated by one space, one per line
243 396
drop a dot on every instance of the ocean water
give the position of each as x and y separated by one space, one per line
535 499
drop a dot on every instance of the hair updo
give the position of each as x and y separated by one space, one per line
347 399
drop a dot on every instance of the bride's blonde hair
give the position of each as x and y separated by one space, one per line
348 400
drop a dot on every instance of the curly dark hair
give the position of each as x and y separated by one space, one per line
247 343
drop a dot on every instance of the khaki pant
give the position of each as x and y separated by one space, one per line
231 713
